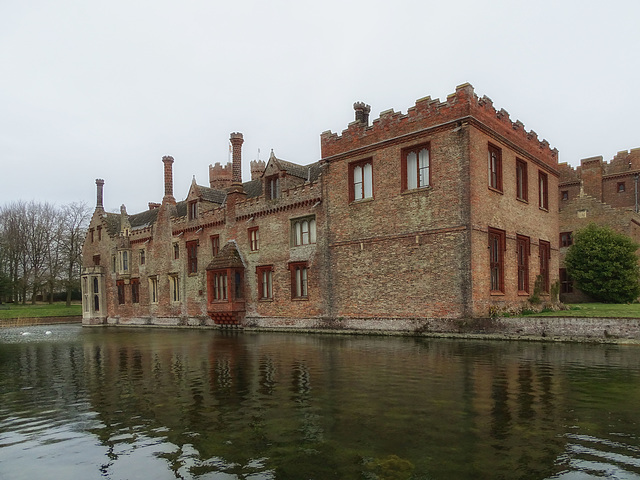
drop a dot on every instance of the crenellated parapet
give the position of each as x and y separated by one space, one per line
220 177
303 195
460 107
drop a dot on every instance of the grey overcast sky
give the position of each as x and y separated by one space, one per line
103 89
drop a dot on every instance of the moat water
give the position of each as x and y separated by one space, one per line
196 404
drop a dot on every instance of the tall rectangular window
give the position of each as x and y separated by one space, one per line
415 168
220 286
522 181
497 240
135 290
543 190
193 209
545 260
192 256
176 251
123 258
495 167
304 231
153 290
142 257
299 279
522 247
215 244
566 284
265 282
99 228
254 239
174 282
273 187
360 180
120 285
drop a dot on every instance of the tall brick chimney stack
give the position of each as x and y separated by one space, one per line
362 113
168 181
237 140
99 188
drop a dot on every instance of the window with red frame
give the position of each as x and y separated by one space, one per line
496 259
566 284
254 239
543 190
265 282
360 180
495 167
416 168
120 285
522 181
220 285
299 280
192 256
522 250
135 290
215 244
545 260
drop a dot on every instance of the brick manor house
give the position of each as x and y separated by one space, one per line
446 212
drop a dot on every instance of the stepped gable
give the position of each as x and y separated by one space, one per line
623 162
461 106
228 257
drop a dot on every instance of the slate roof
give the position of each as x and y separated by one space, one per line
252 188
212 195
228 257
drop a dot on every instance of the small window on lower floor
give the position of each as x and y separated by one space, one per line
153 290
299 280
175 288
120 286
566 284
135 290
265 282
497 241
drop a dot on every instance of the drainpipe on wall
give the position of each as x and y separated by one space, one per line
636 191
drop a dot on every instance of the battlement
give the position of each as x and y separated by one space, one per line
257 169
464 104
623 162
220 177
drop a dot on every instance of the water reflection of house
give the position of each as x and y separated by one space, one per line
443 211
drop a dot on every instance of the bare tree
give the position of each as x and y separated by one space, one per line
40 249
76 218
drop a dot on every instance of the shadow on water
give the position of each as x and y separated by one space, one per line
134 403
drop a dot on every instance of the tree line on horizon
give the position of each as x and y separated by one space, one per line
41 250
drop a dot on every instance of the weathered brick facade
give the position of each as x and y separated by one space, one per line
414 217
605 193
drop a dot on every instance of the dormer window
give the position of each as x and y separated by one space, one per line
272 187
193 209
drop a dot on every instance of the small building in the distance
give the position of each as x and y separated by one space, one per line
448 211
604 193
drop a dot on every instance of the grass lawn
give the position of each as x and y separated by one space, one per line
622 310
39 310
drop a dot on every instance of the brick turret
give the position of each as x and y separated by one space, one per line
220 177
257 169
